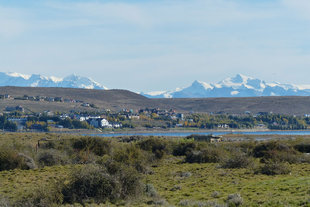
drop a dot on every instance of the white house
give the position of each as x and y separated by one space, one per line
105 124
117 125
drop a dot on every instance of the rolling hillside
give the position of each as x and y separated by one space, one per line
103 99
119 99
293 105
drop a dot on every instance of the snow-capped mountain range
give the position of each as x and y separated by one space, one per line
71 81
238 86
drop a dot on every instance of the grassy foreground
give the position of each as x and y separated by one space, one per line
174 182
208 182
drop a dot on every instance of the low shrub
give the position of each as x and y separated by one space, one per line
130 181
283 156
84 157
150 190
234 200
185 174
158 147
43 197
48 145
132 155
182 149
268 149
210 154
98 146
274 168
29 162
52 157
9 160
91 182
245 146
193 203
277 152
216 194
100 184
303 147
4 202
236 160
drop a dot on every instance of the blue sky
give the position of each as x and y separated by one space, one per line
157 44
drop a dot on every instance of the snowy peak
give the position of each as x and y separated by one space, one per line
37 80
237 86
243 81
75 81
18 75
238 79
200 84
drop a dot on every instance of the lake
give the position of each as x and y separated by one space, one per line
184 134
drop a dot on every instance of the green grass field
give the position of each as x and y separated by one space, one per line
176 182
205 179
256 190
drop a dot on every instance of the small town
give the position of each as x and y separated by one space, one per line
18 118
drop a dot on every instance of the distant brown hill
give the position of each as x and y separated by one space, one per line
103 99
294 105
118 99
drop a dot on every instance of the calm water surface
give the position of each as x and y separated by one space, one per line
184 134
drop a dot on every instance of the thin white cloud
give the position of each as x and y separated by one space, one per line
299 8
104 13
11 23
160 13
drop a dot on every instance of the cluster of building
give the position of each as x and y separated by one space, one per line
45 98
105 119
48 99
171 114
99 122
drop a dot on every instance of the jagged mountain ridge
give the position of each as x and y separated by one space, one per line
238 86
35 80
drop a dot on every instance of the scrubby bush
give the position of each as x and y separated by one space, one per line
267 149
4 202
277 152
9 160
29 162
185 174
91 182
274 168
282 156
52 157
48 145
150 190
84 157
130 181
303 147
209 154
234 200
245 146
216 194
43 197
193 203
157 146
98 146
132 155
236 160
182 149
100 184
